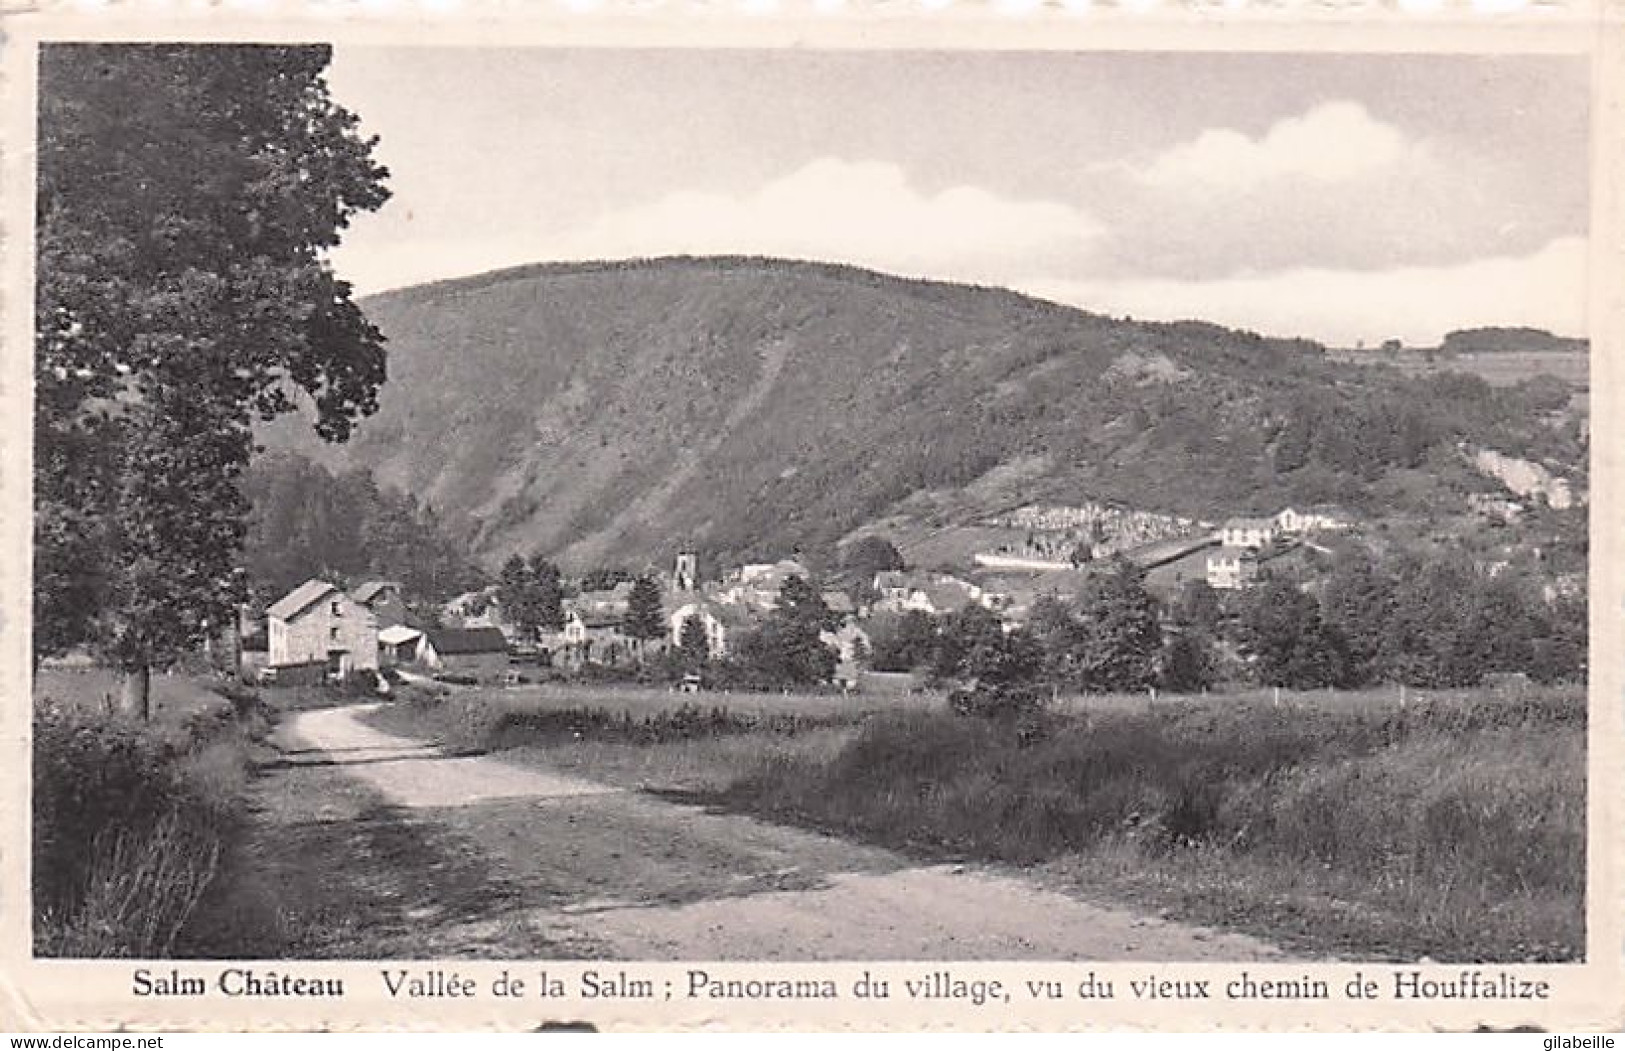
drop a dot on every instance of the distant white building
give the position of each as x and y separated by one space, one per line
1229 568
1248 532
1320 518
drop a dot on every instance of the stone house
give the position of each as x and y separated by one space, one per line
317 622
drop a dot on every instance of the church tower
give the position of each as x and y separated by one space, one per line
686 576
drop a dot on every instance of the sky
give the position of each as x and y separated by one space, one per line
1343 198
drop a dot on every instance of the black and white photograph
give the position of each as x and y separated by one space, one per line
616 503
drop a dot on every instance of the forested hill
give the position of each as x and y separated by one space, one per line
608 411
308 522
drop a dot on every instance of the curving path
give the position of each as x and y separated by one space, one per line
636 877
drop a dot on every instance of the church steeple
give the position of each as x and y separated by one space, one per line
686 575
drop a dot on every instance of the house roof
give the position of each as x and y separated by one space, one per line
368 591
601 618
1233 552
467 640
397 634
300 599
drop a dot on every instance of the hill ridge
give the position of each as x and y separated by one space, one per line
597 410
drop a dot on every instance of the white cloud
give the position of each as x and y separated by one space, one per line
1333 142
864 212
1545 289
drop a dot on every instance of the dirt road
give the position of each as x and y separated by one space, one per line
616 873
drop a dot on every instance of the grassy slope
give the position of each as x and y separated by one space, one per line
752 405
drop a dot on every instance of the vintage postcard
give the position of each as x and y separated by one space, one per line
1060 516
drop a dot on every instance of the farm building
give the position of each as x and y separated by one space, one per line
398 644
317 623
480 653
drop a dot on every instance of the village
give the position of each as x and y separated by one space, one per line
319 631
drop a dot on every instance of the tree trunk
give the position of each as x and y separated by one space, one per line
135 690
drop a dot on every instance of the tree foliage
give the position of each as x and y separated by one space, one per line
1187 663
867 556
692 645
645 614
785 649
1290 642
902 642
531 594
304 521
1120 636
187 198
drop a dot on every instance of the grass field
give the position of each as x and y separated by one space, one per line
1372 824
94 689
641 701
1501 370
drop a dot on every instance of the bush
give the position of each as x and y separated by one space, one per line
999 700
130 823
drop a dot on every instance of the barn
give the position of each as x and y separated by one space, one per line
479 653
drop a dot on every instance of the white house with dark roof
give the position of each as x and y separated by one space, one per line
317 622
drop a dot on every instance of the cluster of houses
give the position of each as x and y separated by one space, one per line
1246 544
318 630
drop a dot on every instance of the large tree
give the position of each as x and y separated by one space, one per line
645 612
187 199
1121 635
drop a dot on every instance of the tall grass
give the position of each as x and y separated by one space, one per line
489 721
133 822
1461 815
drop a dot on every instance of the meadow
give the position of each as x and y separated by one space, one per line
1373 824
